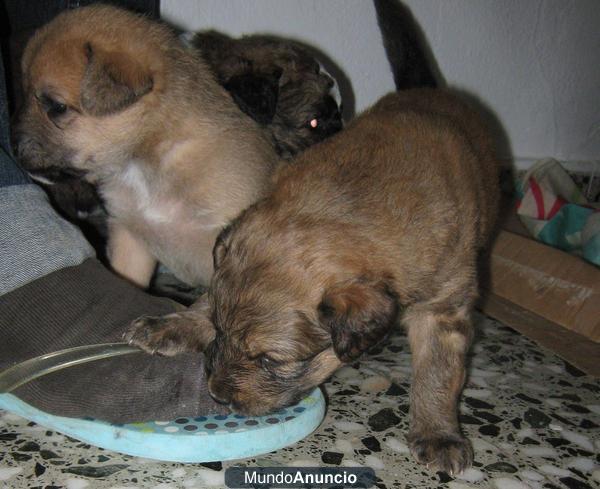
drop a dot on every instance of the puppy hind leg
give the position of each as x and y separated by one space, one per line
187 331
439 342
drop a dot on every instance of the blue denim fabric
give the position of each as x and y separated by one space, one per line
10 172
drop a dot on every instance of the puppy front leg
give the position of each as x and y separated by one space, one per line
129 257
439 342
187 331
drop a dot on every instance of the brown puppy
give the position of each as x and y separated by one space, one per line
120 98
385 216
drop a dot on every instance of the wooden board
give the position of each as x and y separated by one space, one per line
576 349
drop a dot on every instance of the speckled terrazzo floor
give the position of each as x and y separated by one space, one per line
534 423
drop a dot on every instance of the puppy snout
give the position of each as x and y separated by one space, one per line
19 142
27 149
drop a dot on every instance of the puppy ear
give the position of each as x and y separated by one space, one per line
358 314
112 81
255 95
277 73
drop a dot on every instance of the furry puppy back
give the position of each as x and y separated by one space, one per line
379 224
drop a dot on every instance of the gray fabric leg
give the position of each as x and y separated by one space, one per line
34 240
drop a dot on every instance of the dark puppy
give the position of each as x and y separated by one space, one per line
385 216
278 83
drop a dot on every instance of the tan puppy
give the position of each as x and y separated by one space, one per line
385 216
121 99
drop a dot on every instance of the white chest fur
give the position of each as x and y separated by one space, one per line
178 228
139 195
146 195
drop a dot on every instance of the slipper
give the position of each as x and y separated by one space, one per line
185 439
201 439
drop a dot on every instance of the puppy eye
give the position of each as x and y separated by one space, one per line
52 107
313 123
56 109
267 362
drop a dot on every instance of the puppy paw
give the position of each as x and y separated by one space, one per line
442 453
158 335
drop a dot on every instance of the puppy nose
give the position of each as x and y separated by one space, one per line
218 399
222 397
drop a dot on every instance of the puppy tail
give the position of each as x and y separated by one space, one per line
405 47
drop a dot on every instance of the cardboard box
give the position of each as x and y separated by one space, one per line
548 295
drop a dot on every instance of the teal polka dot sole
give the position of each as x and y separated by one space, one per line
200 439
